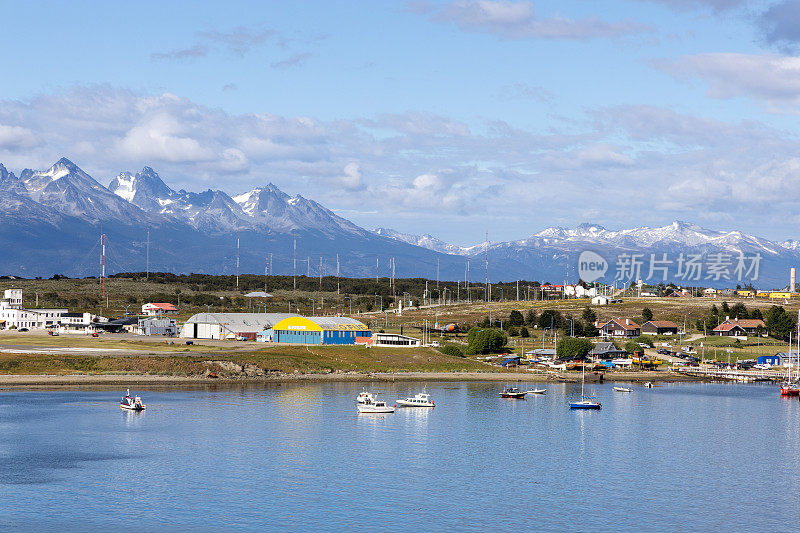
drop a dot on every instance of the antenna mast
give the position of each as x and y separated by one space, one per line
147 275
294 267
266 272
237 259
338 298
486 264
103 264
467 281
320 271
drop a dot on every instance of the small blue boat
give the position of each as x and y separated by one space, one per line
585 402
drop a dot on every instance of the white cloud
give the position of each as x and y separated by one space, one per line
772 79
352 179
646 164
12 137
518 20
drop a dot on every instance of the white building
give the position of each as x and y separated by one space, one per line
79 323
14 316
393 339
230 325
579 291
156 309
604 300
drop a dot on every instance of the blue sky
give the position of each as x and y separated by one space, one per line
448 117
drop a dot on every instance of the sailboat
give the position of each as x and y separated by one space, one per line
585 402
791 387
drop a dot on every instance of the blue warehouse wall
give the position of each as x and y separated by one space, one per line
298 337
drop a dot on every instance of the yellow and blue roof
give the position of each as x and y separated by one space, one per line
324 323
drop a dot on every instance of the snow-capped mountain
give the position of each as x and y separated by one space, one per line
264 208
425 241
52 220
272 208
69 190
552 254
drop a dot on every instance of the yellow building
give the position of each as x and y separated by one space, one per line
321 330
745 292
780 295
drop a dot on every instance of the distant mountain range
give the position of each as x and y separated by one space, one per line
52 220
553 253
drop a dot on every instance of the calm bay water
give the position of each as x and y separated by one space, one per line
675 457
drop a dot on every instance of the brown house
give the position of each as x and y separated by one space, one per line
620 327
739 327
660 327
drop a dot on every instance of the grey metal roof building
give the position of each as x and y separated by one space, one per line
230 325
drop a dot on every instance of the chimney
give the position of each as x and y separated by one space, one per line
727 317
627 321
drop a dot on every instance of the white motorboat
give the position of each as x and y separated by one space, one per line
537 391
622 389
131 403
422 399
365 397
375 407
648 385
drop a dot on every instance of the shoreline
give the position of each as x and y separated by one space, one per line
50 380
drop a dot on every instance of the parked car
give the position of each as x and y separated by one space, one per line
22 329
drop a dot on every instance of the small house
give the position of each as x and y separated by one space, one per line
659 327
626 328
155 309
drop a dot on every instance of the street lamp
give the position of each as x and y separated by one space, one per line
571 328
312 306
351 303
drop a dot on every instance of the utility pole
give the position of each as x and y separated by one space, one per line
266 272
147 275
237 259
486 264
308 266
103 265
320 271
377 267
294 267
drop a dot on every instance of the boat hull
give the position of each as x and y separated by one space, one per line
790 391
584 405
366 410
513 395
132 407
404 403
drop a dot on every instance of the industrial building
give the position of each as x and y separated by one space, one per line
230 325
320 330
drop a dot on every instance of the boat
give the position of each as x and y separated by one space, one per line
131 403
365 397
585 402
648 385
791 385
622 389
374 406
537 391
513 392
422 399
